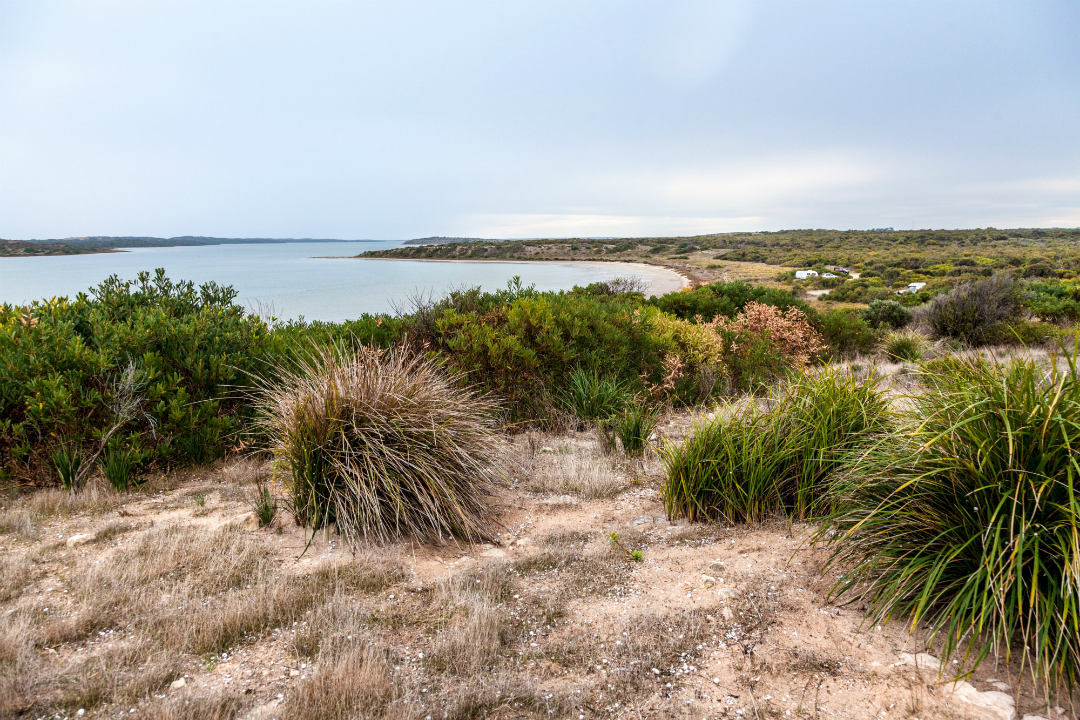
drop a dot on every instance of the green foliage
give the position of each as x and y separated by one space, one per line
521 350
886 313
971 311
60 361
847 332
1057 301
381 443
119 466
591 398
862 290
67 461
725 299
967 519
758 461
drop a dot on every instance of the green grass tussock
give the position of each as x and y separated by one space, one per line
904 346
776 458
968 520
383 444
591 397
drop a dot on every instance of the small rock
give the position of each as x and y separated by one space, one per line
645 519
994 704
922 661
726 613
80 539
1002 686
294 673
707 581
178 683
717 567
1033 717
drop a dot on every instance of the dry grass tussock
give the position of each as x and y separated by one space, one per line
382 444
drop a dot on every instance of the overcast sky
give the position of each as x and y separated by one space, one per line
512 119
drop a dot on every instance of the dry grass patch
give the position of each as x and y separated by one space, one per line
163 599
18 523
585 472
221 706
16 568
90 500
348 683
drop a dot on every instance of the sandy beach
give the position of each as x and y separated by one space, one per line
661 280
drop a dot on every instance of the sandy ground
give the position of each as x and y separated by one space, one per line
166 603
661 280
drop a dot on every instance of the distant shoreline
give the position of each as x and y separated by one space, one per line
661 279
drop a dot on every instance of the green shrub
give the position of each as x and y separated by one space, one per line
726 299
1057 301
776 459
62 360
970 312
905 346
1021 331
382 443
633 426
882 313
590 397
968 519
846 332
521 351
118 465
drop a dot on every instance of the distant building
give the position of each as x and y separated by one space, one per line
804 274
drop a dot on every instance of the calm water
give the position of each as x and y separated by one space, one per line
289 278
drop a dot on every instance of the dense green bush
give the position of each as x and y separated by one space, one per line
726 299
967 519
774 459
522 351
847 332
381 443
886 313
62 362
1057 301
971 311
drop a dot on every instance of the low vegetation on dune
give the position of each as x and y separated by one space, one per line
556 466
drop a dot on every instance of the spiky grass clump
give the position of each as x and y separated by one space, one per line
591 397
633 426
969 519
904 346
382 443
67 461
777 458
118 465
